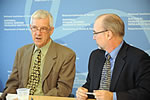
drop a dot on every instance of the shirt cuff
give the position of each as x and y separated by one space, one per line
114 96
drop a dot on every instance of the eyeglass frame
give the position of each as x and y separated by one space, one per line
94 33
39 29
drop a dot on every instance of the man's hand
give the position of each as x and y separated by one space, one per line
103 95
81 93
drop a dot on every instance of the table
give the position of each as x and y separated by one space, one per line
52 98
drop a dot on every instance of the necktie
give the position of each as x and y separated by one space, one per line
35 73
106 74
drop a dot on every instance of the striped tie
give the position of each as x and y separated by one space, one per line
34 78
106 74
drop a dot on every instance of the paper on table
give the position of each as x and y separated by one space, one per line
1 93
90 93
11 96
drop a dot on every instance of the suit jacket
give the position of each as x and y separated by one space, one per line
58 71
130 77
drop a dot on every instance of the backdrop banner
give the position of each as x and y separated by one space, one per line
73 22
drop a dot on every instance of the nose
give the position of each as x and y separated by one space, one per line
94 37
38 32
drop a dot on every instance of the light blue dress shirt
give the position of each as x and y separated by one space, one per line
113 55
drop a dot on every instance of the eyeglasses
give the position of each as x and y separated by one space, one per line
99 32
41 29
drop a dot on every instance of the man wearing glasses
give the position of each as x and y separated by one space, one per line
45 67
116 71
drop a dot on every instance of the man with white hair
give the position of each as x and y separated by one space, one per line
45 67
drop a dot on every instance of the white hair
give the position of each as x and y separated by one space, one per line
42 14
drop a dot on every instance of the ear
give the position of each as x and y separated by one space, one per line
109 35
30 26
51 31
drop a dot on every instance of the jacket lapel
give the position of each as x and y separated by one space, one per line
49 61
99 62
26 64
118 66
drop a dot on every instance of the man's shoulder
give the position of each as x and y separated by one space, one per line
98 51
25 47
62 48
134 52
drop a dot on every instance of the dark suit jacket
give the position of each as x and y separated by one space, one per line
131 73
58 71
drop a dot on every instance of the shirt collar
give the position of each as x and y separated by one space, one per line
44 48
114 53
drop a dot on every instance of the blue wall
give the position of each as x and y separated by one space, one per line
73 21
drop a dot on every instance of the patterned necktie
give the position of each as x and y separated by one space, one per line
34 78
106 74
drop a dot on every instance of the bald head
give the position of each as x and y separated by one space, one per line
111 22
